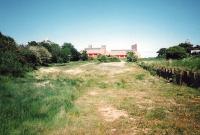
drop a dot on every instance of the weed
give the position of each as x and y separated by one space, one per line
140 76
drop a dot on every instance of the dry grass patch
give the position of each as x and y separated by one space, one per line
110 114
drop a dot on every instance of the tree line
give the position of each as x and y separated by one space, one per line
17 59
179 51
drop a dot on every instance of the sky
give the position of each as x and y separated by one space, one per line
152 24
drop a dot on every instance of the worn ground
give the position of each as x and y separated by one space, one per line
123 99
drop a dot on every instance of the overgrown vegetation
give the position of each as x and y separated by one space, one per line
17 59
33 106
190 63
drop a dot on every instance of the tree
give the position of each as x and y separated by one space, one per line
131 57
33 43
176 52
7 43
69 52
10 58
54 49
187 46
162 53
84 55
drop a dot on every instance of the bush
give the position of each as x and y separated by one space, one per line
113 59
176 52
28 57
131 57
42 54
10 64
11 60
104 58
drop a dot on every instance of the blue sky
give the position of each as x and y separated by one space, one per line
152 24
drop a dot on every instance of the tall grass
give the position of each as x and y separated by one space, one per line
30 106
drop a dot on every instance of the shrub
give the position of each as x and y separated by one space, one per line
131 57
10 64
104 58
28 57
113 59
42 54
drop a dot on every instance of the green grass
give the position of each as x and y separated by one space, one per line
60 103
156 113
140 76
191 63
31 106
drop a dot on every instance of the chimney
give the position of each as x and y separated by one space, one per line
103 47
134 47
89 46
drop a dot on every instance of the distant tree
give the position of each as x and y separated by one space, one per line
69 52
54 49
176 52
84 55
33 43
187 46
131 57
162 53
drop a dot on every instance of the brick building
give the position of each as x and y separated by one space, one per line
94 52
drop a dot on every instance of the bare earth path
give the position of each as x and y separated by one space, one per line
122 98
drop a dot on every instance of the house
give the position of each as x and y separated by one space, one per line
94 52
123 53
195 52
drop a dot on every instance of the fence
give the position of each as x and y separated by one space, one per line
175 75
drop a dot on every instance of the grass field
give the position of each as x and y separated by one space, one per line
96 98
